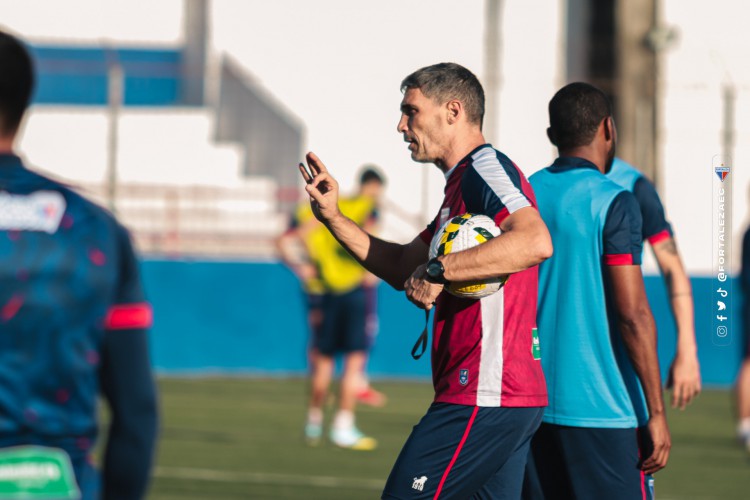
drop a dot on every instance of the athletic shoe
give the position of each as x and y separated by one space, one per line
313 433
371 397
352 439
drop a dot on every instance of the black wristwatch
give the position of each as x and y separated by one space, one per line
436 272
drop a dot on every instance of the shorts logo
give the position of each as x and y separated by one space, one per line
418 483
463 377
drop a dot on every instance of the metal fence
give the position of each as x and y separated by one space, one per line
237 222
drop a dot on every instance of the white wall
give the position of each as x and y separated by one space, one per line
337 64
713 49
158 146
131 22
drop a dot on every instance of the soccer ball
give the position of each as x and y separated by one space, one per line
462 232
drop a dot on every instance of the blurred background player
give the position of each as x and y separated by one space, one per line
742 385
73 319
342 311
597 333
684 373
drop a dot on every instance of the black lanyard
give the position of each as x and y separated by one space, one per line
421 345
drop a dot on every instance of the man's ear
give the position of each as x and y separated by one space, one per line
609 128
455 109
551 136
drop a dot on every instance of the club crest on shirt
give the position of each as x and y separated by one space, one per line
463 377
38 211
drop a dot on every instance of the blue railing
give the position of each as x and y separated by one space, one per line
79 75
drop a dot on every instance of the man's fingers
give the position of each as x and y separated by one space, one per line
684 394
659 461
693 393
316 165
315 194
678 398
305 174
323 182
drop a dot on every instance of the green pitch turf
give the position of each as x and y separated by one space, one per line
232 438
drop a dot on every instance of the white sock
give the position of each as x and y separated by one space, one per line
315 416
744 426
344 420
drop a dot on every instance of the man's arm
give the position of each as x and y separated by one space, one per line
524 242
638 330
128 385
392 262
293 250
684 373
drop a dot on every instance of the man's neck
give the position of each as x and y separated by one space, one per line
6 144
587 153
460 147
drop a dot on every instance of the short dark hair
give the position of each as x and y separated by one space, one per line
575 113
370 173
445 81
16 82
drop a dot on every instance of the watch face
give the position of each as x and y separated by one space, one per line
435 269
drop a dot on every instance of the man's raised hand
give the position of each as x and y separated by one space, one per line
322 188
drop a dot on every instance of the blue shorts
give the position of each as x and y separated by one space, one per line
581 462
344 319
314 302
460 452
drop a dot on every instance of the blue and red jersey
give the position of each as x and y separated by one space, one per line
482 349
655 227
73 324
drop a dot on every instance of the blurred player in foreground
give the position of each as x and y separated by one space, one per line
684 372
73 323
742 385
489 388
597 334
341 306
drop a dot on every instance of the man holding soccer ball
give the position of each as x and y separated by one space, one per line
489 386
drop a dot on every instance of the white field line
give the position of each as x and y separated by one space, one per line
220 476
267 478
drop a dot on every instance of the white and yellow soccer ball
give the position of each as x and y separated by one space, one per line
460 233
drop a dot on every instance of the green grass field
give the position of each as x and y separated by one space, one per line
232 438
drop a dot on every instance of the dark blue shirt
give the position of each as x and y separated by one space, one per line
73 325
